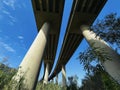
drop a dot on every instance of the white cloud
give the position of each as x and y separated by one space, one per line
6 12
12 18
7 47
10 3
10 23
20 37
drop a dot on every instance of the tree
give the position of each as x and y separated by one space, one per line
109 30
99 80
6 73
72 83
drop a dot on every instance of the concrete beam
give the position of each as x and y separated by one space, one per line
29 68
51 11
110 59
83 11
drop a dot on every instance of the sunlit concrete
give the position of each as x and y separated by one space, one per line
63 76
51 11
110 59
29 68
45 81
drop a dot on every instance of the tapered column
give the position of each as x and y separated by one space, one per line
63 76
57 79
110 58
46 73
28 71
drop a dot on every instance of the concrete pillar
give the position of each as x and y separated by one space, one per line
110 59
63 76
57 79
28 71
46 73
52 80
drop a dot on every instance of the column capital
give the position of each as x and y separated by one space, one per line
45 28
85 27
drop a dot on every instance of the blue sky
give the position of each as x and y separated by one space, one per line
18 30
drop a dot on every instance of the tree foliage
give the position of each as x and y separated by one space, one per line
72 83
108 29
99 80
86 58
49 86
6 73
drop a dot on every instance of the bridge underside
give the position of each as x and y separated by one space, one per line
83 12
48 15
49 11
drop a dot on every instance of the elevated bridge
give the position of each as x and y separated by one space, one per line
48 16
49 11
83 12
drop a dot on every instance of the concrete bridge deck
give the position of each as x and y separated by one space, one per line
83 12
49 11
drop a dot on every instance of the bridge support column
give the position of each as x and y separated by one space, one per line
110 59
63 76
28 71
57 79
46 73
